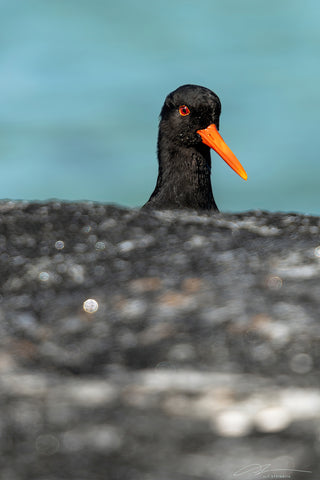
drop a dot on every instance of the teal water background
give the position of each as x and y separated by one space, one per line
82 83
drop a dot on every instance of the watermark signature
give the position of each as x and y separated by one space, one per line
265 471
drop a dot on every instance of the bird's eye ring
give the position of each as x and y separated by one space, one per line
184 110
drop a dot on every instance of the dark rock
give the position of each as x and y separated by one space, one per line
197 355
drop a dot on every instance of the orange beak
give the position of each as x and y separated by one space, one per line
211 137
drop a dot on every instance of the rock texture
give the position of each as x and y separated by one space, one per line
158 345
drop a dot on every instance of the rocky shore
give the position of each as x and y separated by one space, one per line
149 345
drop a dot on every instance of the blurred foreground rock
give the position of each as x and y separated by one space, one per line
158 345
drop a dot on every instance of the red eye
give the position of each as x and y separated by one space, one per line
184 110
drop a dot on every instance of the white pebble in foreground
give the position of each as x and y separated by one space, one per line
90 305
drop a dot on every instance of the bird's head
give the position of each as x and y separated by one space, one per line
190 117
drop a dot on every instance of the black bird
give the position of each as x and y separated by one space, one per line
189 124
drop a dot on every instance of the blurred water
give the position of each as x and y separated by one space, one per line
82 83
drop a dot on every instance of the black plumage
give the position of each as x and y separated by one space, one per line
184 159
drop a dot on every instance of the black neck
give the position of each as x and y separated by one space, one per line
183 178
